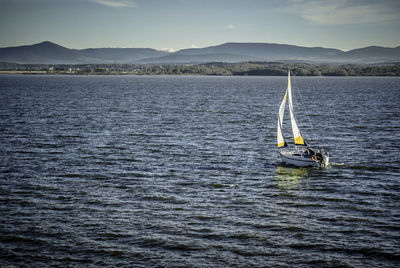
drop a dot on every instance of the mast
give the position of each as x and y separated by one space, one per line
298 139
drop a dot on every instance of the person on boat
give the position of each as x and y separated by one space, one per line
309 152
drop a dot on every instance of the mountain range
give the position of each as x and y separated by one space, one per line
51 53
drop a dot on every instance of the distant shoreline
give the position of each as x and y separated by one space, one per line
68 74
207 69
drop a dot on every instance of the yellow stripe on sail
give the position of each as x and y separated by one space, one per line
281 144
299 140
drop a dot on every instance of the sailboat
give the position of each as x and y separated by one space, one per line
301 154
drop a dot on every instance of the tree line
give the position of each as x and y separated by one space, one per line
213 68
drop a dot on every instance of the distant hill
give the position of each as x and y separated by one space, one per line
201 58
266 51
45 52
50 53
120 55
374 54
237 52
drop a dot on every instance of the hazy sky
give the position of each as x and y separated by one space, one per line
175 24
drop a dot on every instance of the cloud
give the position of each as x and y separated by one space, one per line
114 3
175 50
230 27
342 12
167 49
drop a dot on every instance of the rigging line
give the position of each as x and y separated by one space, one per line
302 114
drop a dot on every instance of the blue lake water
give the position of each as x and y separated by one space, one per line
166 171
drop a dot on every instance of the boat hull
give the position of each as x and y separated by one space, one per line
297 161
294 158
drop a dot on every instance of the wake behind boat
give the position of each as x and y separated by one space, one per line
301 154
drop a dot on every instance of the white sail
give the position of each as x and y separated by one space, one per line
281 140
298 139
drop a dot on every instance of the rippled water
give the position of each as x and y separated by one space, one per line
182 171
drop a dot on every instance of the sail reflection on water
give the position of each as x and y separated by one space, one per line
288 178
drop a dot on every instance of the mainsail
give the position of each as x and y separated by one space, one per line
298 139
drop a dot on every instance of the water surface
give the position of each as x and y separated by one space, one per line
182 171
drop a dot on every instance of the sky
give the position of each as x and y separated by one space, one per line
175 24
